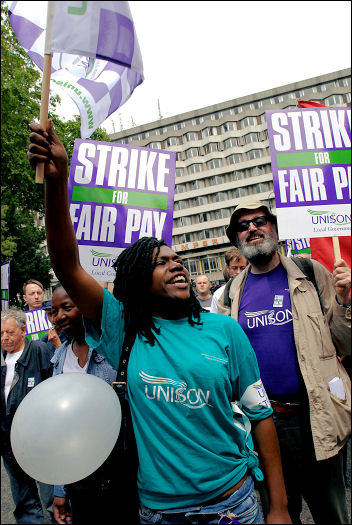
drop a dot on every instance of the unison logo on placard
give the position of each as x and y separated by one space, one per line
329 217
102 259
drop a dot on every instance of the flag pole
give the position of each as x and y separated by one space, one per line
44 101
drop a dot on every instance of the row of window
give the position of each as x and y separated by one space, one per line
235 158
223 178
198 218
320 88
205 264
216 146
222 196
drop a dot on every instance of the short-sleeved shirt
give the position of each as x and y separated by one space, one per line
180 392
265 314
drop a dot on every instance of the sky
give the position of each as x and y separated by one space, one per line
196 54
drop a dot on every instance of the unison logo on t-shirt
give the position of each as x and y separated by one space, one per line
168 390
268 317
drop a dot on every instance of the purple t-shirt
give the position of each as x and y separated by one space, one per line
265 315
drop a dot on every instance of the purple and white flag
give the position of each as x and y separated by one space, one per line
96 56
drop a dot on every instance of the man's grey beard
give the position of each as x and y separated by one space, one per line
260 252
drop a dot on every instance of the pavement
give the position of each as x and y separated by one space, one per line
7 503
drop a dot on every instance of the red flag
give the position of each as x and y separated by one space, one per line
308 104
322 250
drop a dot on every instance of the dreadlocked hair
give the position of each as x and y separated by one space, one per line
134 268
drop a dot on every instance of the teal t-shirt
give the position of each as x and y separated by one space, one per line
180 392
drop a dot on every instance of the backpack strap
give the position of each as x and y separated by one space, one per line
306 266
227 300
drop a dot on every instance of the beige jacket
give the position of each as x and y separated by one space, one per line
316 337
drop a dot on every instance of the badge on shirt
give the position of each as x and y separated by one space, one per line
278 301
30 382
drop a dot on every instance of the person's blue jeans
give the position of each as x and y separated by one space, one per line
25 495
240 507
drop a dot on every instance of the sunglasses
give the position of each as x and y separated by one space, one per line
242 226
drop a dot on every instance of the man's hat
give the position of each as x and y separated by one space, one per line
247 205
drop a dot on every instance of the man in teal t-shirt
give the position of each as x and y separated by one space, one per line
188 373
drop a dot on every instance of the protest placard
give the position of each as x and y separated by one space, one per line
37 324
5 285
297 246
311 166
118 194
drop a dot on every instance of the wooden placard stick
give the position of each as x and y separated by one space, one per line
44 101
336 245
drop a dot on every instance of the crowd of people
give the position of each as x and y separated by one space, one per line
253 370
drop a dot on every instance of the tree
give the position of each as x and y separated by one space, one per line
22 198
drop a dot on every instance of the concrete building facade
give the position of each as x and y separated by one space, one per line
223 156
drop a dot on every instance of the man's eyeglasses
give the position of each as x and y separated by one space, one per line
242 226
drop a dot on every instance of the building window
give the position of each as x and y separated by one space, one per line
238 175
210 263
257 170
254 154
183 221
173 141
219 196
221 231
194 168
214 163
185 237
155 145
192 266
342 82
249 121
235 158
179 172
222 214
238 109
192 152
208 132
217 179
191 136
202 217
201 200
231 143
228 126
261 188
239 192
205 234
180 188
251 137
198 184
181 205
333 100
197 120
212 147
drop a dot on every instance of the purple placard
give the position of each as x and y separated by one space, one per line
311 166
117 194
37 323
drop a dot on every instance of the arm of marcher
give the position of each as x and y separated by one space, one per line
269 452
85 292
334 292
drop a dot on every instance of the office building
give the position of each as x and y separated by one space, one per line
222 156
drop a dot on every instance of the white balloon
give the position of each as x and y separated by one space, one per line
65 428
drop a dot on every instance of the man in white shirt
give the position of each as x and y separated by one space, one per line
24 364
235 263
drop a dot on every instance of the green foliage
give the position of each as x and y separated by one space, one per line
22 198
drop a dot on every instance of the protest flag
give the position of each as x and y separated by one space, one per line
322 251
335 240
308 104
92 53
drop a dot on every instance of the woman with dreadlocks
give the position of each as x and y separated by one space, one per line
193 380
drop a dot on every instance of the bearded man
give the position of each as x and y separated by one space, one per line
299 333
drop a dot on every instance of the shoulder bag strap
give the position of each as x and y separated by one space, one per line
306 266
120 384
